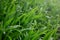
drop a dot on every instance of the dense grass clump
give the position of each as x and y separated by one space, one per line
29 19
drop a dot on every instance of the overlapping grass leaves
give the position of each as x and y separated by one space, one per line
36 21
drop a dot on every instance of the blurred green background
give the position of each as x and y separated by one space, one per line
29 19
